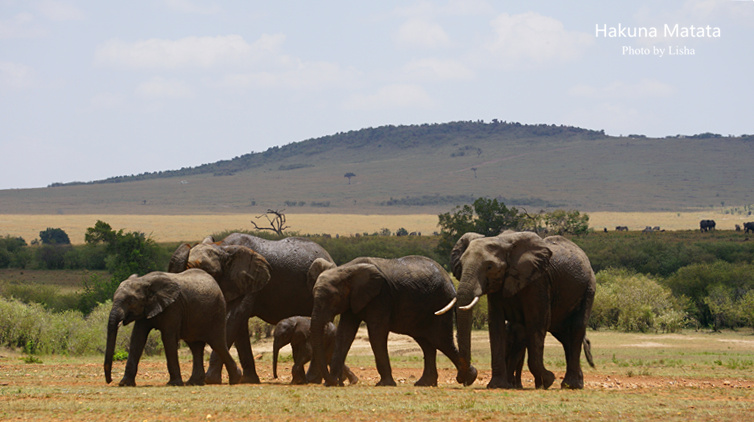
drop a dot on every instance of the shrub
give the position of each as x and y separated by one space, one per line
715 290
38 331
630 301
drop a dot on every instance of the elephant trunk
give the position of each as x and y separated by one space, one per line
116 316
319 360
468 294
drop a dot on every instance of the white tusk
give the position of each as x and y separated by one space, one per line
447 307
470 305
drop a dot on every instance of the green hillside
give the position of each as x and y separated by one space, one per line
428 169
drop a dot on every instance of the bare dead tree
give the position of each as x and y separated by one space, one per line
276 218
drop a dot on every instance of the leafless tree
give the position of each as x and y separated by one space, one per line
276 218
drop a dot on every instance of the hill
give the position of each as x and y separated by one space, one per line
427 169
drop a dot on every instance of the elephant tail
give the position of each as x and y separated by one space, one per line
588 352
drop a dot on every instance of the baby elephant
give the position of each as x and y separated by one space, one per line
295 331
187 306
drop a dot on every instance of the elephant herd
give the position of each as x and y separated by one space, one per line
533 286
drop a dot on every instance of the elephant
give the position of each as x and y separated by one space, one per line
749 227
542 284
284 293
296 332
187 306
390 295
706 225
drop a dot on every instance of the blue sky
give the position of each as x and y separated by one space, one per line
94 89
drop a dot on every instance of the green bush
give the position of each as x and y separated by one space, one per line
630 301
716 291
36 330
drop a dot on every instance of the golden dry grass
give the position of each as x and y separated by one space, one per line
175 228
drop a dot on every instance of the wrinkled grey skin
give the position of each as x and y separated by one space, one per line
285 293
540 284
296 332
188 306
390 295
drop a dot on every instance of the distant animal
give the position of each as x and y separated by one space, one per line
749 227
621 228
706 225
738 227
296 331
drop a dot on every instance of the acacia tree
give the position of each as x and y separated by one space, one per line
349 175
276 218
127 254
485 216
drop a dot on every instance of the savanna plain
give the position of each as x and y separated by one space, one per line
693 375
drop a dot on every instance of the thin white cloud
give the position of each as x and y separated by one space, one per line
106 100
161 88
439 70
21 25
530 38
16 76
197 52
420 33
392 96
645 88
191 7
298 75
59 11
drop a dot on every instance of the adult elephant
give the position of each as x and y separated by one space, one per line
285 294
296 331
539 284
188 306
707 225
390 295
749 227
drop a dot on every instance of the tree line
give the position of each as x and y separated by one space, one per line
646 282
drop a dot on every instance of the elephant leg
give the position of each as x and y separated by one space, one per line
197 373
497 331
378 333
246 356
515 353
238 333
221 350
313 376
170 343
429 376
352 378
535 346
302 353
444 343
347 329
572 343
136 348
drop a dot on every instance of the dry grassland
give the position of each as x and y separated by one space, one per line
176 228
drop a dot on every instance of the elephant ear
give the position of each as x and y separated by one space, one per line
162 291
319 266
527 261
179 260
244 272
458 250
365 282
